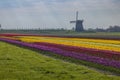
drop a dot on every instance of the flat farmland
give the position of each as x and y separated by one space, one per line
67 33
28 57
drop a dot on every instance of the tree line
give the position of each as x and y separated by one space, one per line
115 28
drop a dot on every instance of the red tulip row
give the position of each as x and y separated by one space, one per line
94 52
10 34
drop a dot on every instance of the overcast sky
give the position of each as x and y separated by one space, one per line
58 13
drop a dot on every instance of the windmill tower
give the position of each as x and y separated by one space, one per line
78 24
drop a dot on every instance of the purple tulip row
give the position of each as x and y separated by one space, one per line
85 57
94 52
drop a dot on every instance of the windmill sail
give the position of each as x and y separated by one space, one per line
72 21
76 15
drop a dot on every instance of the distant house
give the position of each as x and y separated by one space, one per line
114 29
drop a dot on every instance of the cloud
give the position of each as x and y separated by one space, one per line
58 13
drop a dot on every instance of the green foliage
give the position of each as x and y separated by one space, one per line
22 64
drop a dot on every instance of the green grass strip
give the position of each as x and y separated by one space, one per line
17 63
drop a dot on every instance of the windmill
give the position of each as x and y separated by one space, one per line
78 24
0 27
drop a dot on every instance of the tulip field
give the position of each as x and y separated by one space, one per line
102 53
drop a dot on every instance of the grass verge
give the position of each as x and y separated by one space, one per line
17 63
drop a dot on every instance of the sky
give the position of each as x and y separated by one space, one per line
43 14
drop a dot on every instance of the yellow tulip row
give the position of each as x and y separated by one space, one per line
99 41
82 39
87 43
